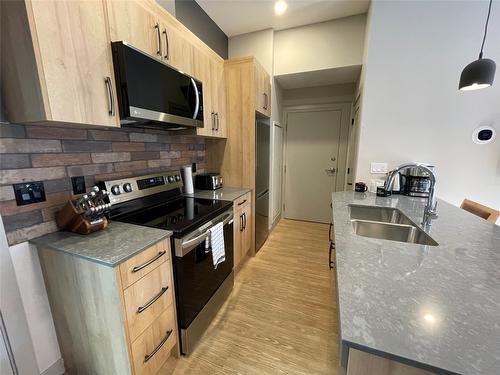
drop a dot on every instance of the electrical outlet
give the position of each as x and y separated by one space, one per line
376 168
78 183
28 193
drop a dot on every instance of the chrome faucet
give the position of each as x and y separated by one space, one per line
430 208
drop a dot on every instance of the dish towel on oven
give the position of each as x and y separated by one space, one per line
217 243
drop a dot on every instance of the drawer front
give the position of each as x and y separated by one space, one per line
146 299
151 349
144 262
242 201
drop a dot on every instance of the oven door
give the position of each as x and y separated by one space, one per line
197 280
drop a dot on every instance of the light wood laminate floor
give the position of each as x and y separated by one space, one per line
281 317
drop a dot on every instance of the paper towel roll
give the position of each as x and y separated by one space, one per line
187 176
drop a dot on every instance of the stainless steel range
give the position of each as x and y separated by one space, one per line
200 288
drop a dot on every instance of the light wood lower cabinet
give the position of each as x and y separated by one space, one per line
362 363
108 321
242 228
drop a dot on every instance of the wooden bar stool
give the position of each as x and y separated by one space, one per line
480 210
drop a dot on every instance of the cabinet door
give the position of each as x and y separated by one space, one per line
136 23
74 61
259 89
246 241
267 92
238 230
203 73
219 97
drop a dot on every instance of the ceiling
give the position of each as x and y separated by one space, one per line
334 76
236 17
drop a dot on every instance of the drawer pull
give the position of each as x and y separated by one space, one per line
155 298
158 256
239 204
147 357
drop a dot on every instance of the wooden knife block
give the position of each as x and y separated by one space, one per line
68 218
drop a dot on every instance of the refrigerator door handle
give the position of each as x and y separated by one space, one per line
260 195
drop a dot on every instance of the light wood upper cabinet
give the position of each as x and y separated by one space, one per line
262 90
57 64
211 72
135 22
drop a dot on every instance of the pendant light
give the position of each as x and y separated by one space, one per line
480 73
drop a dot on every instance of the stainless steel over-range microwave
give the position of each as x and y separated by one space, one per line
153 94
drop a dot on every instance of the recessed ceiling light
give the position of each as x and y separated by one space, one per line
280 7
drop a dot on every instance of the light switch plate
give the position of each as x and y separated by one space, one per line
378 168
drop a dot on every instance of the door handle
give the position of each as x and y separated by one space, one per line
244 220
157 28
241 223
217 121
330 171
167 54
213 120
111 98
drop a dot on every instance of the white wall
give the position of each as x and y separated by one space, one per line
319 94
36 306
258 44
412 109
320 46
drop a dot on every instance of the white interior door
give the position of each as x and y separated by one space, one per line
313 139
277 172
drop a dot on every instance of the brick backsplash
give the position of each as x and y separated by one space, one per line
54 154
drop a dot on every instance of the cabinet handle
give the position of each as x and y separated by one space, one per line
147 357
244 220
217 121
239 204
153 300
158 256
213 120
331 264
111 98
167 55
241 223
157 27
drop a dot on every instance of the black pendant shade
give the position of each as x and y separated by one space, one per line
477 75
480 73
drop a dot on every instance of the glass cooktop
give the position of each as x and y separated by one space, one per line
181 215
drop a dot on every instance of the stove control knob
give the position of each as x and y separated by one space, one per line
127 187
115 189
177 178
170 179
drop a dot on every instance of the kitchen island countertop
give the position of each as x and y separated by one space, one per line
434 307
110 246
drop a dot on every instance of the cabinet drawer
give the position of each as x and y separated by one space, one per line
144 262
146 299
152 348
242 201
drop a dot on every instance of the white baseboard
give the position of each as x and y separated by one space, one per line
57 368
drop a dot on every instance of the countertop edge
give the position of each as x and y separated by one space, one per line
40 246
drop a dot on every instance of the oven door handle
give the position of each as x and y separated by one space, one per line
200 238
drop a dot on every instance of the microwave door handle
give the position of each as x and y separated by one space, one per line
197 96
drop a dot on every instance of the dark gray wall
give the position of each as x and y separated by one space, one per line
195 19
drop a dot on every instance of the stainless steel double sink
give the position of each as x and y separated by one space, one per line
387 223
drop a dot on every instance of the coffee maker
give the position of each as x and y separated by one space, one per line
415 182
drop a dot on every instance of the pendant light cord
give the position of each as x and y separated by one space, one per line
485 30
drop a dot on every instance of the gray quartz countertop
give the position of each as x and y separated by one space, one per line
224 193
111 246
437 307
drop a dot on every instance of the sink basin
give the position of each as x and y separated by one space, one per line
382 214
393 232
387 223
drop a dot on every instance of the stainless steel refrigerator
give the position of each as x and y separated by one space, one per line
262 163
